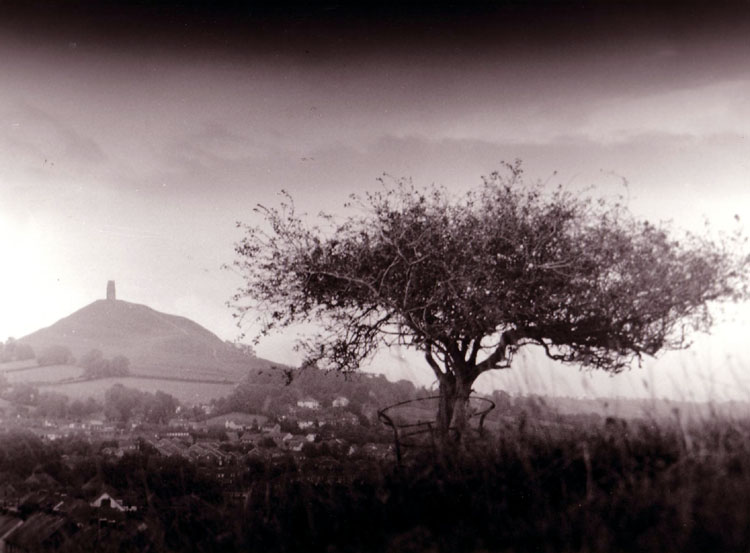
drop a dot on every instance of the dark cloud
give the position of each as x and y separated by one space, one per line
340 28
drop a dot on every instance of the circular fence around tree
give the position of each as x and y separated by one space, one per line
414 422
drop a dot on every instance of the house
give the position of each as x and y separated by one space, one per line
251 438
9 495
7 525
39 532
128 445
309 403
206 452
38 500
73 507
295 444
41 480
271 428
179 424
180 434
237 421
341 418
95 424
168 448
340 402
105 501
112 452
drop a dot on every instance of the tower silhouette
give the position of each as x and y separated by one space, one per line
111 290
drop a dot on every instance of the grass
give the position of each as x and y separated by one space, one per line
57 378
624 487
18 365
619 487
47 374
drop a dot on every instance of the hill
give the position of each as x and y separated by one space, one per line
157 344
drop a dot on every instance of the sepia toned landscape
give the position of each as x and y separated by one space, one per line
374 277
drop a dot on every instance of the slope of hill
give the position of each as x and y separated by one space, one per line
157 344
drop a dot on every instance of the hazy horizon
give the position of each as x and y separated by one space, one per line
133 141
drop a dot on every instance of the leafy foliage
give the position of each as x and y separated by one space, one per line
469 281
96 366
55 355
12 350
122 403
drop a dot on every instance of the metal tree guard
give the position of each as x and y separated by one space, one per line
407 434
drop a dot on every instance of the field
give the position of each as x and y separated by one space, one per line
57 378
16 365
185 391
48 374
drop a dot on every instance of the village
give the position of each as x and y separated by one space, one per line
69 483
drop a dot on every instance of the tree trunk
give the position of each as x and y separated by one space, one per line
453 410
445 407
461 412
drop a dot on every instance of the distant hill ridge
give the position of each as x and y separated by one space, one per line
157 344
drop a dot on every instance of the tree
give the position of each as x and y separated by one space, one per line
9 350
96 366
119 366
22 394
24 352
52 404
120 402
160 407
55 355
469 281
12 350
93 361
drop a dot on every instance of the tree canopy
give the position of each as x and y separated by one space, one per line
469 280
55 355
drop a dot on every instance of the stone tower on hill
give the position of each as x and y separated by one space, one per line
111 290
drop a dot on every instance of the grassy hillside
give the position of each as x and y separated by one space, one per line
157 344
18 365
43 375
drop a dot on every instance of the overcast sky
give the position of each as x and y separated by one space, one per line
130 144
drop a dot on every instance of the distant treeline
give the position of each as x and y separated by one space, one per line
93 362
120 405
11 350
274 393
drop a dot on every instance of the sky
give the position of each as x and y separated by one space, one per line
133 139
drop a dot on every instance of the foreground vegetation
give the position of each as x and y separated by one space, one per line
642 487
617 486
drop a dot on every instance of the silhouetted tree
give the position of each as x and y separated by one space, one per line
469 281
